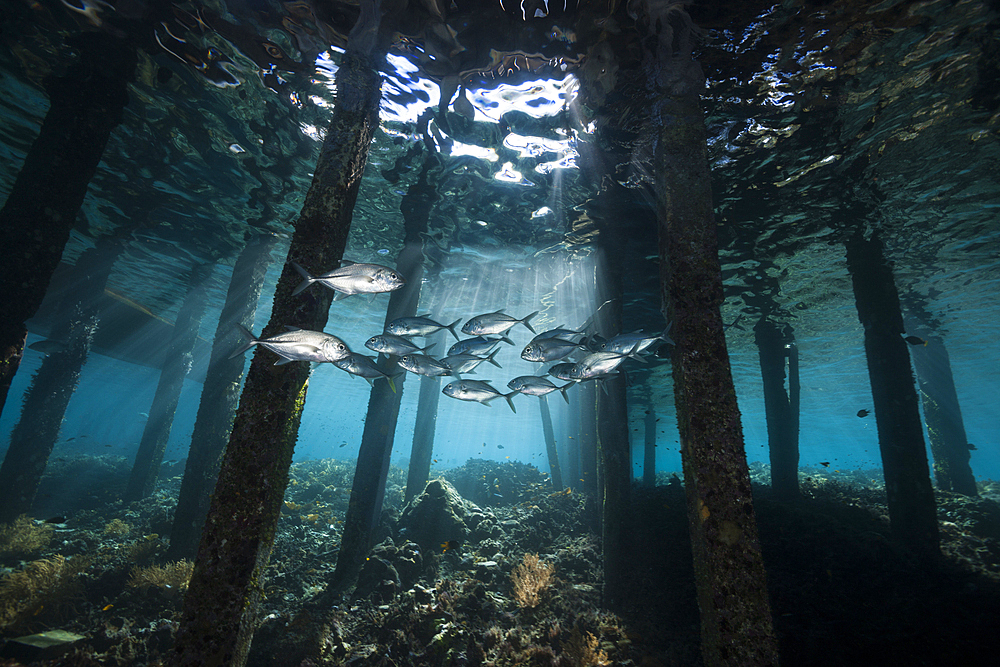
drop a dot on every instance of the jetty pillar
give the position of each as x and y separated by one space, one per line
555 470
34 436
176 367
909 492
222 605
85 106
219 397
781 412
736 623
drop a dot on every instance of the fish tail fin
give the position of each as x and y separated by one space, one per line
665 336
308 279
392 383
563 389
451 328
426 348
251 342
527 322
508 398
506 339
492 360
634 353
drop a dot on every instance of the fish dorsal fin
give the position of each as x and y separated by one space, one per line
289 327
424 315
346 262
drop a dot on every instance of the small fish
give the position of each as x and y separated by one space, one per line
537 386
343 444
863 413
107 607
477 345
298 345
915 340
734 323
549 349
421 325
421 364
972 447
495 323
352 278
466 363
499 446
56 519
364 366
390 344
476 390
449 545
825 464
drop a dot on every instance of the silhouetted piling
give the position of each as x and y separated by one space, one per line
587 444
773 345
219 397
368 489
85 106
222 605
35 434
909 492
736 625
612 424
176 366
550 445
571 450
423 436
649 448
943 415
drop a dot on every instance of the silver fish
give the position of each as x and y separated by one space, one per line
421 364
532 385
478 345
466 363
298 345
352 278
495 323
364 366
562 371
597 364
391 344
641 342
559 332
476 390
421 325
549 349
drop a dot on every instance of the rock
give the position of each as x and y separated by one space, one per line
438 515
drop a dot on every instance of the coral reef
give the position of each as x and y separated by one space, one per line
23 539
531 580
43 592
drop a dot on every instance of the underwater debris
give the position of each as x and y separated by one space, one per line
531 579
22 538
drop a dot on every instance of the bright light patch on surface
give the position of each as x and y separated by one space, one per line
539 99
535 146
545 210
508 174
489 154
312 132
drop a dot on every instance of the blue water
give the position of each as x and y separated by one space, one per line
198 165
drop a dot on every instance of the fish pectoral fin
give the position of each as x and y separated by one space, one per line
283 360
